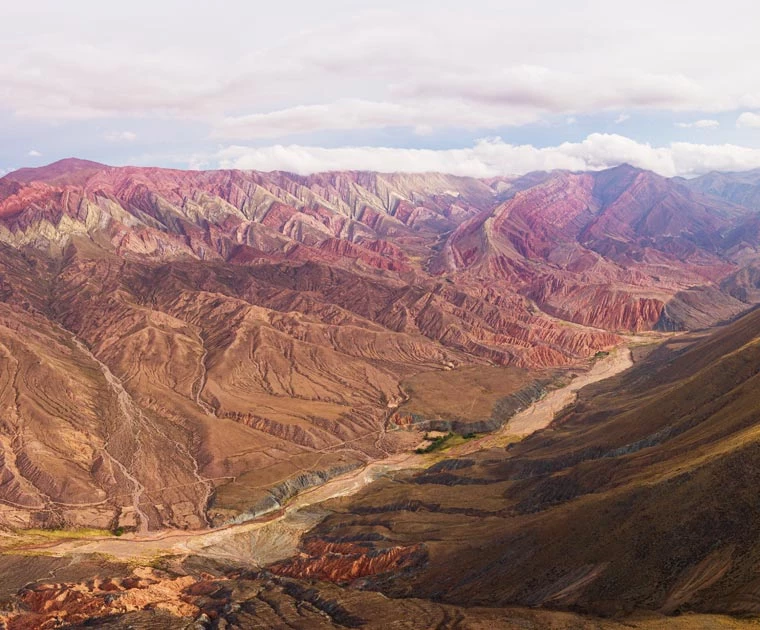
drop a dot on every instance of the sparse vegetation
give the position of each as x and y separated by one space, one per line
37 536
436 444
83 532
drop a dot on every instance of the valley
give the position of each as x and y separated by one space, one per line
274 535
222 389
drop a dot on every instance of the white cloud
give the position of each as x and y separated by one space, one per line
748 119
120 136
511 65
548 89
34 153
705 123
352 114
491 157
513 96
303 73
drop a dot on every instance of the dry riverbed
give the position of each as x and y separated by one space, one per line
275 536
541 413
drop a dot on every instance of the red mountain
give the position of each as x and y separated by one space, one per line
258 327
613 249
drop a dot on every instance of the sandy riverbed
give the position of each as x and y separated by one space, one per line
275 536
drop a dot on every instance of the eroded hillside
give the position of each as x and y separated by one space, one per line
642 495
184 347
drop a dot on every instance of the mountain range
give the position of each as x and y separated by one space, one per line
188 349
259 326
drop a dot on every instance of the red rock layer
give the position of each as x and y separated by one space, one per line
345 562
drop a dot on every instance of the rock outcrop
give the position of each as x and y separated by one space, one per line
201 596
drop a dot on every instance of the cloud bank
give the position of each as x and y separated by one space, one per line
492 157
393 63
110 82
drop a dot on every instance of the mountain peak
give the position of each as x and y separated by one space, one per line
625 166
62 170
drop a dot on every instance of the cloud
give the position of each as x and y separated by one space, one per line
34 153
705 123
514 96
548 89
491 157
508 67
120 136
353 114
392 72
748 119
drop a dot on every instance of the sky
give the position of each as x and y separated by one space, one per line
481 88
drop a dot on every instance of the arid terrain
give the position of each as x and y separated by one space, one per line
312 394
639 496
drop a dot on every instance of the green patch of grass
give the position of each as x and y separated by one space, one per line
440 442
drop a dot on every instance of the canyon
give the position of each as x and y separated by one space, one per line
231 370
